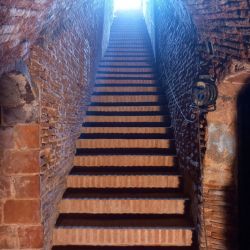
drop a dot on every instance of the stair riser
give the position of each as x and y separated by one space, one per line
106 75
127 181
125 98
139 130
125 143
126 81
123 237
125 161
126 108
145 54
130 58
126 89
126 64
125 206
131 70
93 118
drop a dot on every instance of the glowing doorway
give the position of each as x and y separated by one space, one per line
126 5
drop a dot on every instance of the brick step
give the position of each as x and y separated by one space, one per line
127 130
137 50
126 108
125 151
128 95
127 124
128 83
125 230
124 75
128 136
132 85
137 42
115 39
126 64
127 69
105 180
129 113
125 53
127 59
117 118
130 35
75 247
120 93
129 89
126 98
124 171
145 45
123 160
112 204
125 143
130 104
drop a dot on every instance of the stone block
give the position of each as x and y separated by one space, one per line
27 186
8 238
22 211
17 162
30 237
27 136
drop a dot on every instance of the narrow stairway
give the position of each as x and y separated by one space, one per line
125 191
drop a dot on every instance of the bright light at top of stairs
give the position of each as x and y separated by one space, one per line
127 5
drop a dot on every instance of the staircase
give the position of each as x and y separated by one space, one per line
125 191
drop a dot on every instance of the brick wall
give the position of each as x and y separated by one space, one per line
214 34
38 132
177 63
62 64
19 162
108 19
21 21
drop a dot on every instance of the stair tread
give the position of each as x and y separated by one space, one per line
126 136
123 193
125 151
128 113
87 247
125 171
123 221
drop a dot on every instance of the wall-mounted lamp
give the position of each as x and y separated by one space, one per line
205 94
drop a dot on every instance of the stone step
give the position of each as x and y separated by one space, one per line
126 49
127 53
126 130
117 118
121 89
123 180
125 160
127 69
127 58
124 75
75 247
126 81
172 205
125 64
125 143
127 108
123 230
126 98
